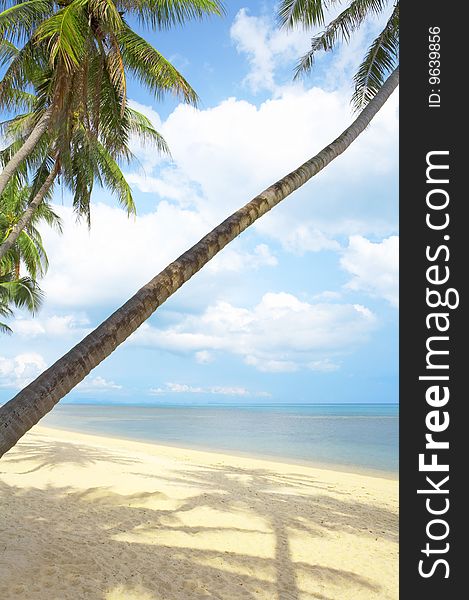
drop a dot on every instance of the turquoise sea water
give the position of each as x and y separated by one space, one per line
363 436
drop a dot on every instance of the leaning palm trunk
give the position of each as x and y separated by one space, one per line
24 410
28 214
10 168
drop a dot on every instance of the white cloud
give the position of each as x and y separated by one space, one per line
280 333
269 48
265 47
225 155
306 238
118 255
171 184
328 295
54 326
374 266
314 235
97 384
323 366
233 151
267 365
234 260
20 370
204 357
182 388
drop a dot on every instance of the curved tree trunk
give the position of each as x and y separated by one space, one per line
28 214
25 150
24 410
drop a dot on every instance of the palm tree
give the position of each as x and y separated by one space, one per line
24 410
381 57
78 44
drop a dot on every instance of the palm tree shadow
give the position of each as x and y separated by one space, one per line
265 494
50 454
99 543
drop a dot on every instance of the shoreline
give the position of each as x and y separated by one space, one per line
317 465
99 518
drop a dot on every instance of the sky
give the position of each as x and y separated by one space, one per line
302 307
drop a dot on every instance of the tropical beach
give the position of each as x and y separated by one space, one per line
198 300
96 517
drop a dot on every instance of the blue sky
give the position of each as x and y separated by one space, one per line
302 307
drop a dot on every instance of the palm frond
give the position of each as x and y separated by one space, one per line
164 14
151 68
45 213
106 13
21 71
116 69
3 326
340 29
140 125
114 180
22 293
18 126
5 311
22 100
107 120
30 250
8 51
40 176
19 21
307 13
65 34
379 61
80 169
14 199
34 160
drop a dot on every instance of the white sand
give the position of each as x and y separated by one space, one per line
87 517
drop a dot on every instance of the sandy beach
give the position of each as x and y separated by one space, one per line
88 517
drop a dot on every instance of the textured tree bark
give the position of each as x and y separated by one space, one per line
28 214
25 150
24 410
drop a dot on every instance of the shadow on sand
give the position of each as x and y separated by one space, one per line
60 543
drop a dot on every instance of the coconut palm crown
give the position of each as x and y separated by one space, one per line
76 55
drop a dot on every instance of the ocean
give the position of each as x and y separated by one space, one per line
352 436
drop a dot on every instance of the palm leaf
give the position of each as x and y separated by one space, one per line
107 119
379 61
20 20
151 68
140 125
164 14
340 29
21 100
8 51
105 13
30 250
44 212
113 179
66 33
22 293
308 13
116 69
21 71
19 132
